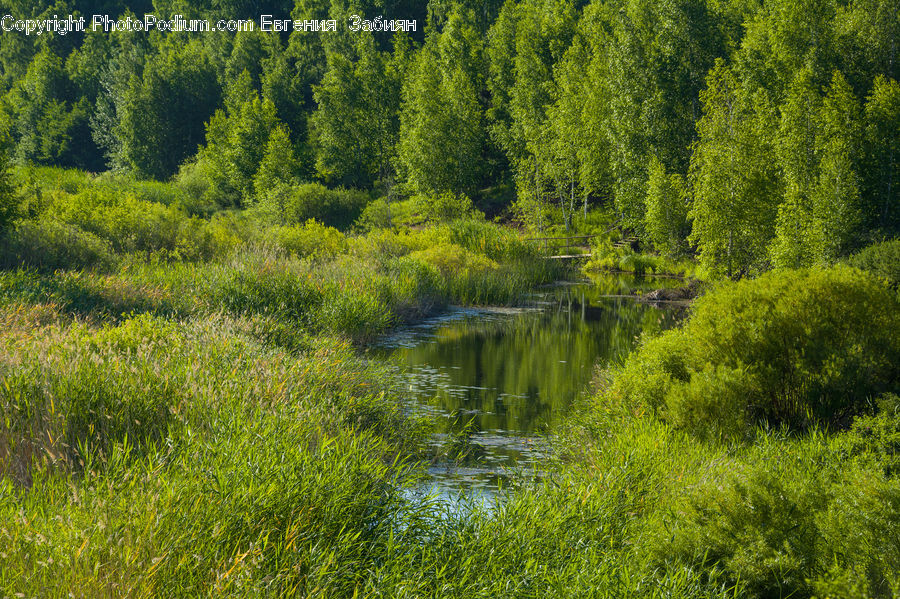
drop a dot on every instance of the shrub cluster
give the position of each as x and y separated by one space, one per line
798 348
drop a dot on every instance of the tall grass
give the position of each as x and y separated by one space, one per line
183 422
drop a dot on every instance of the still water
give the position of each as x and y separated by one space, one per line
497 381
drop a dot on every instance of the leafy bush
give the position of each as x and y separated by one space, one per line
445 207
339 208
495 242
383 244
131 225
49 245
882 260
450 259
311 239
789 530
383 213
793 347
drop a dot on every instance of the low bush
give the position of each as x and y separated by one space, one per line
445 207
882 260
132 225
451 259
339 208
793 347
310 239
497 243
787 518
49 245
384 244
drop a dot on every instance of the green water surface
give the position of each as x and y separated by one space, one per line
497 381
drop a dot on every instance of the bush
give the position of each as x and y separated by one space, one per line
311 239
882 260
793 347
495 242
451 259
789 530
339 208
445 207
132 225
49 245
384 244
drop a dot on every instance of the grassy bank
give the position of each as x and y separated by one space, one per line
185 413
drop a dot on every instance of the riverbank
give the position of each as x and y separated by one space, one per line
186 412
199 457
185 409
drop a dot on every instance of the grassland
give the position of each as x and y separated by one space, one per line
185 413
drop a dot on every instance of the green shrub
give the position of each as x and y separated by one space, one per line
51 178
451 259
132 225
311 239
268 290
875 438
882 260
445 207
496 242
793 347
384 244
789 529
48 245
339 208
384 213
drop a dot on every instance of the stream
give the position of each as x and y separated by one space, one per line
497 381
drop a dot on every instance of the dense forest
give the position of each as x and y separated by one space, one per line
754 134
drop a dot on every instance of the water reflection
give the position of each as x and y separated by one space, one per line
496 380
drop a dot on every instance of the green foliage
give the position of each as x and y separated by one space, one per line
311 239
880 259
161 114
819 147
237 140
441 130
790 529
450 259
667 208
883 161
733 178
797 348
50 122
278 165
50 245
444 207
144 404
339 208
9 200
131 225
356 121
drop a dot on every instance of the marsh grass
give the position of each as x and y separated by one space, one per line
185 457
184 412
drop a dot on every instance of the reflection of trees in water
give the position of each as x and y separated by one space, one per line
521 373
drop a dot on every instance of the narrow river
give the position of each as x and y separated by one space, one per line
497 381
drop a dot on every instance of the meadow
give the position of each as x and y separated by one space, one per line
186 411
